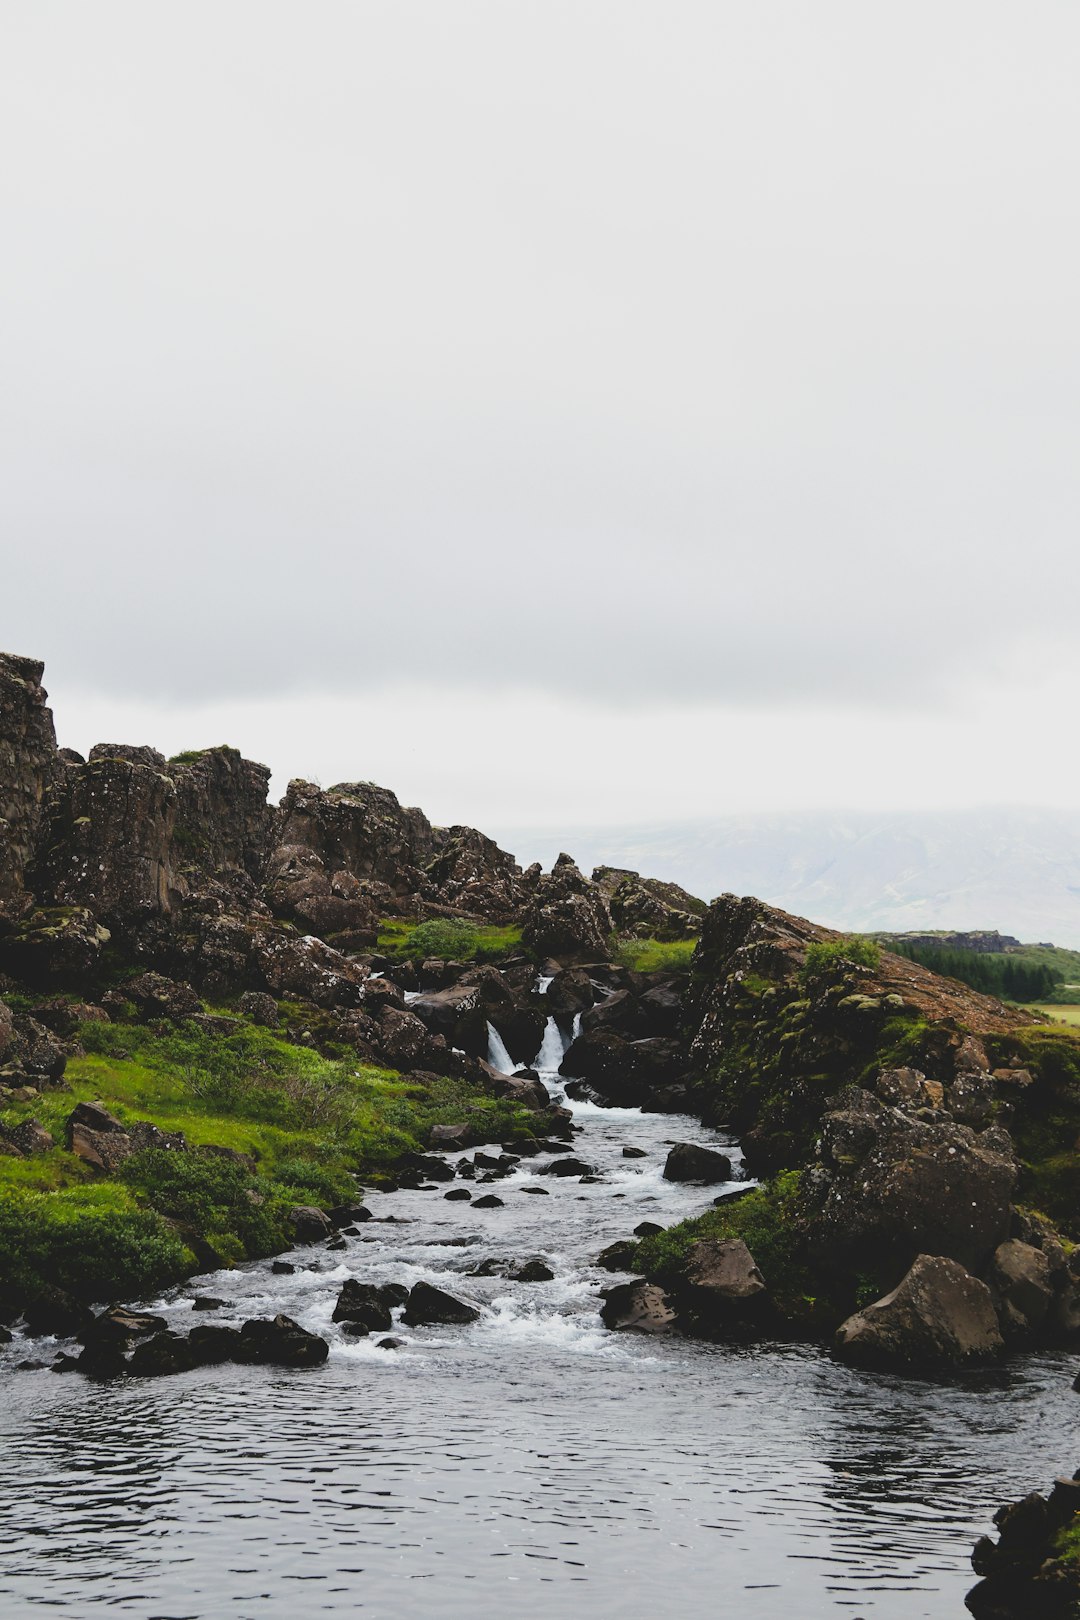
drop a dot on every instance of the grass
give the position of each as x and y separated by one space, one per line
1057 1012
462 941
655 955
833 955
312 1124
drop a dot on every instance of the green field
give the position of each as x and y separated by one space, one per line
1058 1011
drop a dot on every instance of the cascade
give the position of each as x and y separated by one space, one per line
498 1056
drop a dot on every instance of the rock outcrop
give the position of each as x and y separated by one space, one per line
567 916
647 908
29 762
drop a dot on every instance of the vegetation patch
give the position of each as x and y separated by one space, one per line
654 955
447 938
829 956
310 1125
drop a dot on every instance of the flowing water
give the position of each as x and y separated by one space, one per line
530 1464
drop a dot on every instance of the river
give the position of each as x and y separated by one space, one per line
530 1464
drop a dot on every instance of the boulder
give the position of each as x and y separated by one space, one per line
260 1008
688 1162
618 1256
119 1326
640 1306
280 1342
429 1306
1022 1277
363 1303
621 1072
155 996
567 916
722 1276
938 1316
308 1224
28 1137
161 1356
29 763
531 1271
211 1344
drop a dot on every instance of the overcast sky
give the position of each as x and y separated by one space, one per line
605 410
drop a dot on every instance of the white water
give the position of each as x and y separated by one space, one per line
552 1050
498 1056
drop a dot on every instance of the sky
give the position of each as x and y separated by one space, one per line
604 411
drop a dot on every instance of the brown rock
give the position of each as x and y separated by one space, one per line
937 1316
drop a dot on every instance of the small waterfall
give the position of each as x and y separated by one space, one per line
542 984
498 1056
552 1048
576 1027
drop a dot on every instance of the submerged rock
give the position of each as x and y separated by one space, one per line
640 1306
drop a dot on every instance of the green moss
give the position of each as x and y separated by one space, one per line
830 956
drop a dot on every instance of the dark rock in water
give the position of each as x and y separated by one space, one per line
391 1344
161 1356
431 1306
282 1268
689 1162
210 1344
461 1194
569 993
537 1192
623 1073
280 1342
55 1312
492 1267
938 1316
531 1271
362 1302
525 1149
618 1256
428 1165
396 1293
308 1224
65 1363
569 1166
641 1306
102 1359
634 1153
343 1215
648 1229
119 1327
489 1201
1025 1573
337 1243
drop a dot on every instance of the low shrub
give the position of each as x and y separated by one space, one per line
94 1241
827 956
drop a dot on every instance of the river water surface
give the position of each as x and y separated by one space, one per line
531 1464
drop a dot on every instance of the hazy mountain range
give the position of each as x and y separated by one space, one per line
1013 869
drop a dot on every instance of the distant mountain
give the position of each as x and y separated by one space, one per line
1013 869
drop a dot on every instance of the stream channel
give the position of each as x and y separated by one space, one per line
530 1464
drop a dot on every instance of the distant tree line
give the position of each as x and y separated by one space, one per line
999 976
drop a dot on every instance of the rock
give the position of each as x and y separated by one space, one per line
426 1164
489 1201
640 1306
308 1224
57 1313
1022 1277
161 1356
567 916
28 765
618 1256
893 1185
260 1008
282 1268
531 1271
648 1229
569 993
100 1359
155 996
210 1344
634 1153
429 1306
938 1316
281 1342
623 1073
1025 1573
7 1030
207 1302
120 1327
646 908
722 1280
688 1162
342 1215
28 1137
363 1303
391 1344
458 1194
568 1166
449 1137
